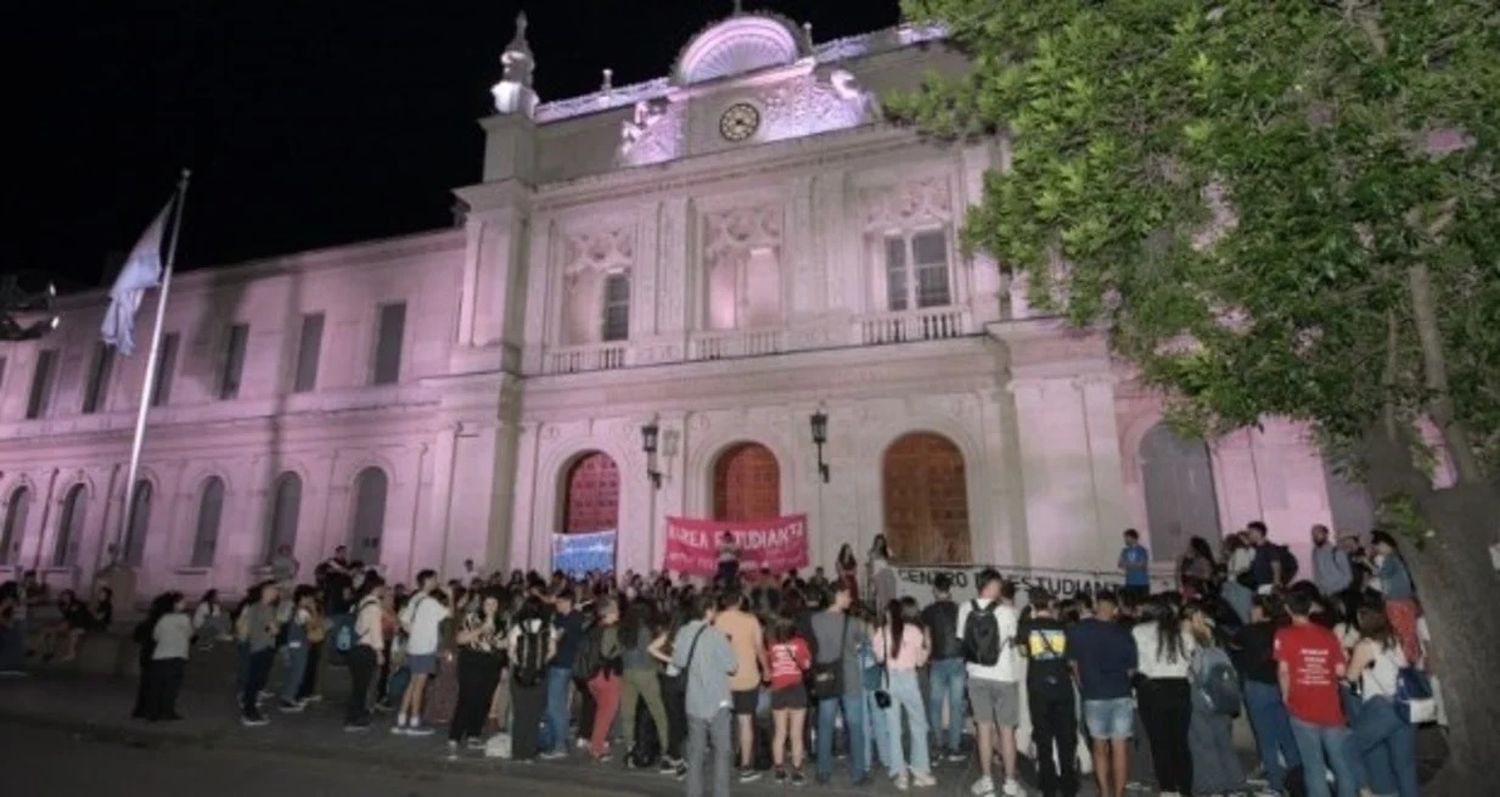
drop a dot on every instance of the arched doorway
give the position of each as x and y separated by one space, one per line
140 520
70 527
368 528
1178 479
926 496
591 495
747 484
16 510
286 505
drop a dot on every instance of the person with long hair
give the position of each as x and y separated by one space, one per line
532 644
1400 593
901 647
1195 570
368 653
1383 745
296 646
1166 648
172 634
481 639
210 621
605 684
848 569
1216 766
1254 645
639 634
790 658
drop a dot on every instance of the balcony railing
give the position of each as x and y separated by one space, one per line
736 343
934 323
590 357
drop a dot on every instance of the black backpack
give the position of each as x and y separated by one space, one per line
982 643
530 657
647 748
590 660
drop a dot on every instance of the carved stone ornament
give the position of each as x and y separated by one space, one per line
817 104
919 201
652 134
604 250
739 230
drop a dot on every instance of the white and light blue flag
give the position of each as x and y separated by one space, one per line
141 271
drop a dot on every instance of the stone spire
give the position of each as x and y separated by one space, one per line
513 94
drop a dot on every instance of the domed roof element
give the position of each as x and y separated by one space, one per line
740 44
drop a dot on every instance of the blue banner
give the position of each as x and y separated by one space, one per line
577 554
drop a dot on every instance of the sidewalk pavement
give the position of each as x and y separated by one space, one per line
98 708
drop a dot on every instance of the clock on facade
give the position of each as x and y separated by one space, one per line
739 122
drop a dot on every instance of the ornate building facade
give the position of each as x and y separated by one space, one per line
718 254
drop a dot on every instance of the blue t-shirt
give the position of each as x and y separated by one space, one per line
570 634
1136 560
1105 654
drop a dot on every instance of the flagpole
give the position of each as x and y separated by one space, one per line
148 386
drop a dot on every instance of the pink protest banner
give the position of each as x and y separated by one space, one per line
777 543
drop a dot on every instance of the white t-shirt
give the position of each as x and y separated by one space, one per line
1153 666
1004 668
421 617
1381 677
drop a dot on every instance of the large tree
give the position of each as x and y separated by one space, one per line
1275 208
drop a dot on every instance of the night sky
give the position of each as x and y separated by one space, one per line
306 123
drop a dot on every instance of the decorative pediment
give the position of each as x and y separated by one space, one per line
741 44
905 204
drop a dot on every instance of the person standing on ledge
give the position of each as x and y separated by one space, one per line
729 561
1135 562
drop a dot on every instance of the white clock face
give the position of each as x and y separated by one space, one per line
739 122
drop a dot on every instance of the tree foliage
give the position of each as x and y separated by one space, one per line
1241 191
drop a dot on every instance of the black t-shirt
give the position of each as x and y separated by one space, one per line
1044 640
1255 644
570 636
941 619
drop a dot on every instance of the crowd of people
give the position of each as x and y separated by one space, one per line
753 674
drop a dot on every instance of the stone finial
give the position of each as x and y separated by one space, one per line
609 80
517 59
739 7
807 31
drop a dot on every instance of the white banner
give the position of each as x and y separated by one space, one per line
916 581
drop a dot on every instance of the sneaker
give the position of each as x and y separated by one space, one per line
902 782
356 727
667 766
420 730
553 755
266 694
780 777
254 720
923 781
311 699
475 743
452 749
748 775
1012 788
398 730
956 757
582 743
288 707
798 779
681 772
985 785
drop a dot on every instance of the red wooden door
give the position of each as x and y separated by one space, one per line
747 484
592 502
926 501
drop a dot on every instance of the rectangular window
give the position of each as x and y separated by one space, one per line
309 349
166 368
98 385
2 375
616 307
930 259
895 273
41 384
234 361
388 343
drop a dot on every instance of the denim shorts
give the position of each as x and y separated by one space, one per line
1110 719
422 664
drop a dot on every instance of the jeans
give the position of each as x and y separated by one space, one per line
478 675
296 667
1167 711
947 680
555 728
906 694
877 735
258 671
605 687
1273 732
1383 749
1323 748
853 706
699 732
362 668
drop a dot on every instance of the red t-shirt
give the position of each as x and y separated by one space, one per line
1313 657
789 660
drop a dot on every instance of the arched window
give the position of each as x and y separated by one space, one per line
14 530
1180 500
140 521
747 484
369 515
286 504
70 527
592 500
210 511
926 498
